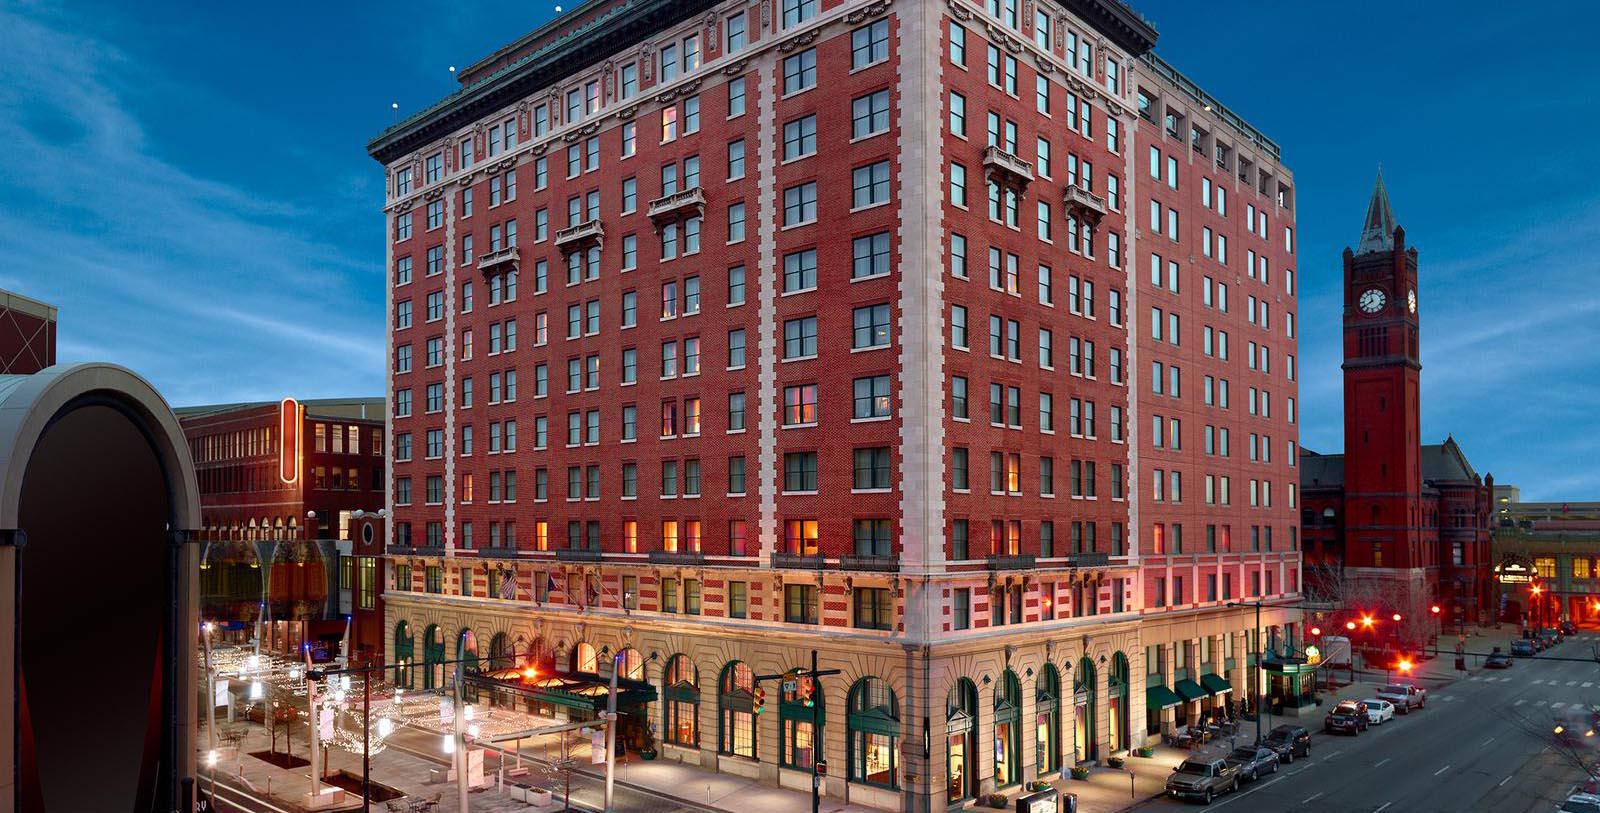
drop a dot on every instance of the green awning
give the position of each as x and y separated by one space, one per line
1189 690
1158 697
1215 684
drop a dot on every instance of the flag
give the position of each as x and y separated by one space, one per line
508 584
549 584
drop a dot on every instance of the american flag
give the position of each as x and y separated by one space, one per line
508 585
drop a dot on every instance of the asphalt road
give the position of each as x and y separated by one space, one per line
1465 751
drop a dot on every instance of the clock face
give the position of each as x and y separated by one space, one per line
1372 300
1411 301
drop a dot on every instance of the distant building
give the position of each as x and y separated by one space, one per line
27 334
1390 510
1552 546
286 487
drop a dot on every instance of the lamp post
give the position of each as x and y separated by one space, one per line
1257 683
611 731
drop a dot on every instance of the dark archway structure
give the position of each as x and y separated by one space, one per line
97 496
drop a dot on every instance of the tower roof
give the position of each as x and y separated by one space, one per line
1377 232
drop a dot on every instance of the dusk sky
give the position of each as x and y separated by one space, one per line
188 183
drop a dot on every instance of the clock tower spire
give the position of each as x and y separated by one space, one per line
1382 396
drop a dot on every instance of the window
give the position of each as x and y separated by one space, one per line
735 32
800 405
800 204
736 285
869 44
736 159
870 184
736 97
872 469
870 256
958 327
800 603
800 138
869 114
800 271
800 71
800 338
958 114
874 606
871 327
798 11
871 397
958 185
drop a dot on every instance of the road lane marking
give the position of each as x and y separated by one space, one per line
1588 683
1385 807
1505 780
1441 770
1572 683
1310 798
1539 682
1379 763
1486 742
1519 702
1557 705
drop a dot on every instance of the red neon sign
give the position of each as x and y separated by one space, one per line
289 440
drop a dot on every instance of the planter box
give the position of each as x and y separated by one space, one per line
1114 762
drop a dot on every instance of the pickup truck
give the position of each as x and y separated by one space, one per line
1404 696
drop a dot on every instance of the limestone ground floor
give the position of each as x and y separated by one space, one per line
899 725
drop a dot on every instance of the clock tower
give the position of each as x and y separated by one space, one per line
1384 510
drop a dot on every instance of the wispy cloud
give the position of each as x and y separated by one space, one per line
207 286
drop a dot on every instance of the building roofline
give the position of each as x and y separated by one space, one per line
11 300
1129 29
346 408
591 42
1192 89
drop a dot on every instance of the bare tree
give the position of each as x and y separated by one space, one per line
561 762
1572 738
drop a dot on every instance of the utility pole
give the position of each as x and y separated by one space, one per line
316 726
366 735
611 732
459 757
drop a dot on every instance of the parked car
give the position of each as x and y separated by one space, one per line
1379 711
1288 742
1251 761
1350 716
1497 660
1580 803
1568 628
1523 648
1551 637
1404 696
1203 778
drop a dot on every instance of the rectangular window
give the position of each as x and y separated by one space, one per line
800 71
869 44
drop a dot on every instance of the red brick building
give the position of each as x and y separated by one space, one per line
930 336
287 493
27 334
1410 521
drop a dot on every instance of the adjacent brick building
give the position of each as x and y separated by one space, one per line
287 493
927 335
1398 525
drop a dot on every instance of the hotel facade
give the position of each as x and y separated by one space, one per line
952 341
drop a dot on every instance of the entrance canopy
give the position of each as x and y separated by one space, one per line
1190 691
1160 698
1215 684
586 692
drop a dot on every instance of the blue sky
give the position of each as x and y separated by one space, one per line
188 182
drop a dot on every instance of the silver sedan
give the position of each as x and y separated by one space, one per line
1379 711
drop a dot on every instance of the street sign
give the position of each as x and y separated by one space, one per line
790 685
822 767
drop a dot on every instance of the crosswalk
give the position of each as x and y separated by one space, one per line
1491 679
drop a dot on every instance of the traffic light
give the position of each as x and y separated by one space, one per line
1434 609
759 701
1396 616
803 689
1316 631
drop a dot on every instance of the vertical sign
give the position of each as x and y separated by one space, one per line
289 440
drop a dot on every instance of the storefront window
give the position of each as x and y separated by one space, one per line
1008 730
961 726
680 692
1083 700
736 709
874 726
1047 720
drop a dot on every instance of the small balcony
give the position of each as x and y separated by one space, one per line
677 557
579 235
496 553
1007 169
796 561
1089 560
876 563
690 202
577 555
497 258
1084 205
1018 561
428 550
401 550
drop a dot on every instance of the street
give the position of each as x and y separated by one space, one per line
1462 752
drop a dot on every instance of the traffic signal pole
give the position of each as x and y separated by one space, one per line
819 766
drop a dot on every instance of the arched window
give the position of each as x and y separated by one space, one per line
1008 730
1083 701
1047 720
499 652
405 656
736 710
873 725
1117 702
585 660
631 663
433 658
961 731
680 693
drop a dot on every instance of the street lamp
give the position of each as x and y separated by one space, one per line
1257 690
